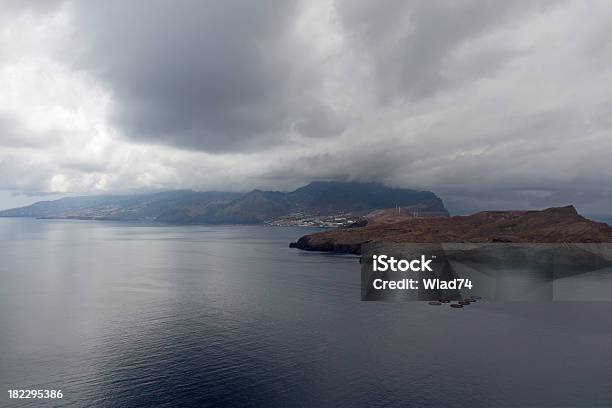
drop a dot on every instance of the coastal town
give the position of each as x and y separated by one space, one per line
303 219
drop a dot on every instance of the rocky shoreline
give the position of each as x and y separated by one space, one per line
552 225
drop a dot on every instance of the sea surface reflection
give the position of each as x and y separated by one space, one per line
119 314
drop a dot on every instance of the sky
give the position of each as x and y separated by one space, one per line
490 104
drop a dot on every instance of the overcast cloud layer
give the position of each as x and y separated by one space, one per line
489 104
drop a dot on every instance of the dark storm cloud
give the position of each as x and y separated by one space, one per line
223 76
409 42
207 75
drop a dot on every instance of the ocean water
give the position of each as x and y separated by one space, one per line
146 315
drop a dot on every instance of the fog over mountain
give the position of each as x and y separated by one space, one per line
488 104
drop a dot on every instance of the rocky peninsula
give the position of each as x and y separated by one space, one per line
552 225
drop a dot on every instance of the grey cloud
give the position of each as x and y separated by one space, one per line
12 7
216 76
533 161
21 175
13 135
409 42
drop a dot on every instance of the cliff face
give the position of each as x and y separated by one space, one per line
553 225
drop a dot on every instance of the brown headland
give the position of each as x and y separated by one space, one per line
552 225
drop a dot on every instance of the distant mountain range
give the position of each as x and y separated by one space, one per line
255 207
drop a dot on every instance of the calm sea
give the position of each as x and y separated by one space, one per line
138 315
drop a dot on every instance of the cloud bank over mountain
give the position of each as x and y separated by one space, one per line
489 104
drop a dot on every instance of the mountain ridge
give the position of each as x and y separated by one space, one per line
254 207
